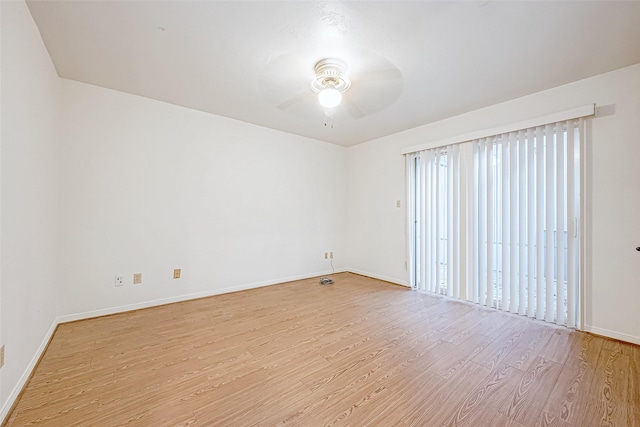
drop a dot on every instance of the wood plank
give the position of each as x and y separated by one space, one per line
346 409
558 348
608 400
527 401
569 398
437 406
330 393
525 351
497 350
547 420
633 394
416 361
406 395
460 355
501 420
483 402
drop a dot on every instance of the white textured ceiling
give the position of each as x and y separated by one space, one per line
411 62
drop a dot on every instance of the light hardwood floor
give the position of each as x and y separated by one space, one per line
358 352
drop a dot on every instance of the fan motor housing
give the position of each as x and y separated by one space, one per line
330 72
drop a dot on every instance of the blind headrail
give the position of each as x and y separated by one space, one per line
575 113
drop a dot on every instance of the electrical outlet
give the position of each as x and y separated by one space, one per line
137 278
326 255
2 356
398 204
119 280
176 273
331 254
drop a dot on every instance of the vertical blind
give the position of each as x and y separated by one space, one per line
496 221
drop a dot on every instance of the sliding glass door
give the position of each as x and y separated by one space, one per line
496 221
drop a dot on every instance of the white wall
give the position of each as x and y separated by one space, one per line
376 179
148 187
29 196
376 231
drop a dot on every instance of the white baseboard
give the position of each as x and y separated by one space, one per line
612 334
379 277
27 373
185 297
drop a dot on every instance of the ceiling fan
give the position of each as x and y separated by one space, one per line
332 90
330 82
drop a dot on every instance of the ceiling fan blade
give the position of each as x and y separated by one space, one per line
377 75
296 99
352 109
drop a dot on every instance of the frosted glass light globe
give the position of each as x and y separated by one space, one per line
329 97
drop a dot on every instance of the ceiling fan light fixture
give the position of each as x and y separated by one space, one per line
329 97
330 82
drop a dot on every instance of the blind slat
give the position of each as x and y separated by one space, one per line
540 207
531 223
506 217
482 223
550 209
455 216
560 222
425 223
513 212
522 226
490 220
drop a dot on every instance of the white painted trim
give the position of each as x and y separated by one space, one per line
584 111
27 373
186 297
611 334
379 277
